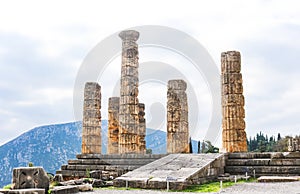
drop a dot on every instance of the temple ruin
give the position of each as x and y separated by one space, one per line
91 123
233 124
177 118
127 130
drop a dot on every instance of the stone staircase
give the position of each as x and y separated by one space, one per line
175 171
263 164
115 165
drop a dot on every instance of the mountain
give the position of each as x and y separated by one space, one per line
52 145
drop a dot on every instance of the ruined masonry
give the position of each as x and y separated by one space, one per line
181 170
91 124
233 124
177 118
113 125
142 129
129 138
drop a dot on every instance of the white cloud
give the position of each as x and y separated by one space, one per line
44 43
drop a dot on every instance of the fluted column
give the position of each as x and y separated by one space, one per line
128 112
91 124
142 129
113 125
233 124
177 118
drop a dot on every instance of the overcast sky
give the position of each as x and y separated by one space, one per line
43 44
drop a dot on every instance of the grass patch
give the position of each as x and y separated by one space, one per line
213 186
7 186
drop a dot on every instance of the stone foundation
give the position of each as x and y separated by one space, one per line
264 164
115 164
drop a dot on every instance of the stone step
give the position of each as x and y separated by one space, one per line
263 162
263 170
119 156
98 167
125 161
266 179
248 155
270 155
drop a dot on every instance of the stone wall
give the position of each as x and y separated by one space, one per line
233 124
113 125
177 118
91 124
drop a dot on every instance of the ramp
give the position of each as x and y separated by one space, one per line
177 170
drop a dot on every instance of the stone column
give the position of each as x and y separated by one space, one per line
129 110
113 125
177 118
91 124
142 129
233 124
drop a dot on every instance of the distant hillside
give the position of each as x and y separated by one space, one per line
52 145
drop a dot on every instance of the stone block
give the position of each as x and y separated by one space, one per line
233 111
231 78
233 123
235 88
4 191
98 183
233 99
85 187
266 179
30 177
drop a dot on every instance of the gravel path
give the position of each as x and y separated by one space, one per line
245 188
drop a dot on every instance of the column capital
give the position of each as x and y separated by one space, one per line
129 35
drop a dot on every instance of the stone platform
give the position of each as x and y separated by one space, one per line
264 164
180 170
115 164
267 179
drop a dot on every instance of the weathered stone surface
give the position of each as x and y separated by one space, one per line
113 125
91 125
4 191
180 170
27 191
65 190
85 187
266 179
142 129
30 177
177 118
58 178
115 164
262 164
130 138
97 183
233 124
294 144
